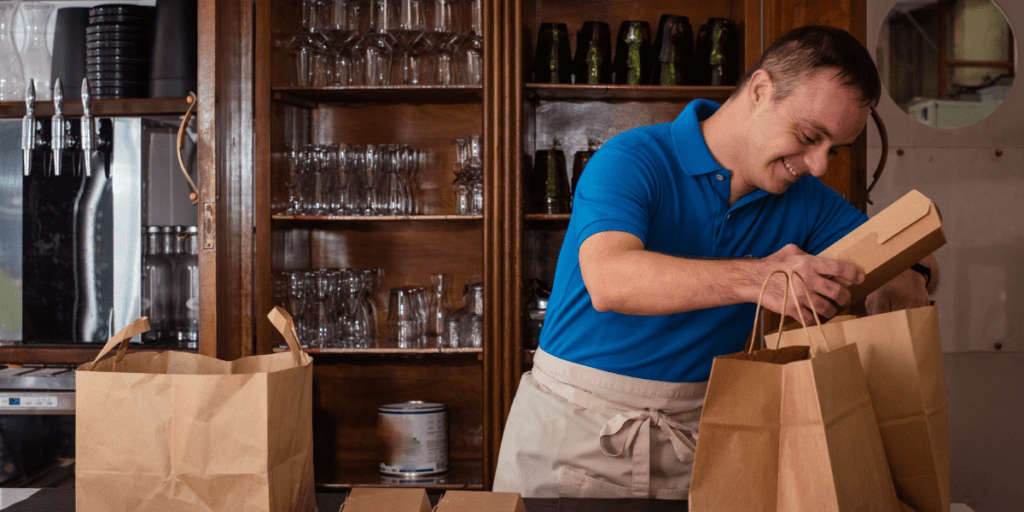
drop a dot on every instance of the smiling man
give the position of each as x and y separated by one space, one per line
674 228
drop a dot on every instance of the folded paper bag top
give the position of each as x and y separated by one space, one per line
365 499
479 501
890 242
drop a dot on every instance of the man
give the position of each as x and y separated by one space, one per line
675 228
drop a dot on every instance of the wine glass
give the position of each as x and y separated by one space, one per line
343 26
308 49
469 57
442 32
410 44
372 55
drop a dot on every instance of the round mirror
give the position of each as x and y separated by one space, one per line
946 63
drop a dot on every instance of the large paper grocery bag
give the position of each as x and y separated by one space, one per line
785 430
902 357
177 431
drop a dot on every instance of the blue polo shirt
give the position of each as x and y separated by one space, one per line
661 184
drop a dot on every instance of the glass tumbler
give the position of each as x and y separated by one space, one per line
12 78
403 322
35 52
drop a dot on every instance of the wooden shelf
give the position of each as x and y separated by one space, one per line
375 218
624 93
464 474
309 97
386 351
102 108
65 354
560 217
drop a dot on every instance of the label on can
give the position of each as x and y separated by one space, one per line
415 438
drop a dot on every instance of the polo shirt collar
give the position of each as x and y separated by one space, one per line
692 151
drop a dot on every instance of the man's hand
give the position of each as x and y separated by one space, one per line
827 295
904 291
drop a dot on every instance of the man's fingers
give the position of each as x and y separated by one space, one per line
838 270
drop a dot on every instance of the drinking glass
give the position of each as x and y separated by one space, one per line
552 61
410 44
350 291
632 52
298 301
366 316
324 318
308 50
593 62
372 55
35 54
439 310
672 51
469 57
442 33
403 324
344 19
12 77
320 162
372 164
471 325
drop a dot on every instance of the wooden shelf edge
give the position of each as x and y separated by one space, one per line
102 108
611 93
386 351
63 354
463 474
547 216
374 218
309 97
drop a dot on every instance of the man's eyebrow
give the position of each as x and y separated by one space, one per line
819 127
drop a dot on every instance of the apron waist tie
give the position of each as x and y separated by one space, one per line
630 429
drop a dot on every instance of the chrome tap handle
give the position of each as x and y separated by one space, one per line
28 127
58 137
88 127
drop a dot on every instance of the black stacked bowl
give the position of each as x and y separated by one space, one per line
117 42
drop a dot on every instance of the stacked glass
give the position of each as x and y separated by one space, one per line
332 308
329 179
468 186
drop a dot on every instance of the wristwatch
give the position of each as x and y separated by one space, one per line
925 271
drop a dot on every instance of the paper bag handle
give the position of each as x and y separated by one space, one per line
757 312
139 326
284 324
821 347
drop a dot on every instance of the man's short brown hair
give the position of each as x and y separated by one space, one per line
806 50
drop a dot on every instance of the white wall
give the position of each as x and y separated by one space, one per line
981 295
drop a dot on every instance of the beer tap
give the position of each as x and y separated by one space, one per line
28 126
58 138
88 127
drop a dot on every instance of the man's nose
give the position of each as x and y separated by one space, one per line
817 160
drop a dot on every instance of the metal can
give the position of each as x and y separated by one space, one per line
414 436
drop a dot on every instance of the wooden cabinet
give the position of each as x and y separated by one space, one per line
350 384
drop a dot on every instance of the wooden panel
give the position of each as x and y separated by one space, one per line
782 16
347 390
101 108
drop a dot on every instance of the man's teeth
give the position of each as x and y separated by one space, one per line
788 168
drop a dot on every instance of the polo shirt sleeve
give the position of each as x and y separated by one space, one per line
618 188
832 216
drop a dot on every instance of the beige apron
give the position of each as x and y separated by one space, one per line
574 431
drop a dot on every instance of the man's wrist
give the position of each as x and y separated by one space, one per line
925 271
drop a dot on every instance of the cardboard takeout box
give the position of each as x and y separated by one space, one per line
890 242
478 501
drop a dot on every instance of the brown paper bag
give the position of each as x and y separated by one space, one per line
784 431
902 357
175 431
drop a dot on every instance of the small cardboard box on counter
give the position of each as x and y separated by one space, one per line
478 501
890 242
366 499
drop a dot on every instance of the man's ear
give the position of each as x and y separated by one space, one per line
760 87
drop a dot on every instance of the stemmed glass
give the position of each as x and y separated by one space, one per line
408 33
372 55
350 290
343 26
308 49
442 33
324 334
366 315
298 301
469 56
293 180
